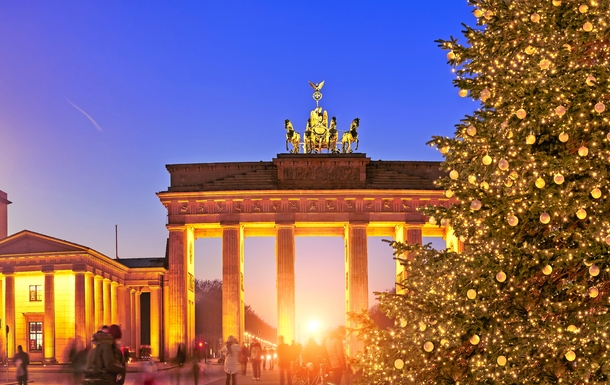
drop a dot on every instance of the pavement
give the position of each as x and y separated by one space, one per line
165 374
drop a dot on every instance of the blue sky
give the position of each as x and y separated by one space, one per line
97 97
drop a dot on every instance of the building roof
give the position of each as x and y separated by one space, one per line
142 262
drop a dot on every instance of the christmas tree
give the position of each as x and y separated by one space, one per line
528 173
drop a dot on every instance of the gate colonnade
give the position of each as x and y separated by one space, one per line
344 195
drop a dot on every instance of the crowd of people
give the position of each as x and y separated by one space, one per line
327 358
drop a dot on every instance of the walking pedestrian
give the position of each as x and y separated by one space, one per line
256 351
231 352
243 359
336 357
284 355
22 360
102 365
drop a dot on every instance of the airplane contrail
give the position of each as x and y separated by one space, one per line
87 115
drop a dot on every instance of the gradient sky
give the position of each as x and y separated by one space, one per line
97 97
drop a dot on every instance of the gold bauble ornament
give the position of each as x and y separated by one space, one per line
471 130
544 64
545 218
428 346
450 55
547 270
444 342
501 276
432 220
512 220
444 150
590 80
485 185
530 139
596 193
509 135
471 294
513 175
485 94
600 107
488 14
422 326
530 50
472 179
403 322
581 213
570 355
563 137
478 13
572 328
454 174
486 160
521 114
448 193
594 270
583 151
463 93
558 179
583 8
608 240
540 183
608 136
501 360
561 110
475 339
557 3
593 292
508 183
503 164
399 364
587 27
535 18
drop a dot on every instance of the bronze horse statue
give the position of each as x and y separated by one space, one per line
350 137
292 137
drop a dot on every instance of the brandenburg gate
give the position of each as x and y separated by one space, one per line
337 193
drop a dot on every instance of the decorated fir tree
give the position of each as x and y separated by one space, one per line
527 300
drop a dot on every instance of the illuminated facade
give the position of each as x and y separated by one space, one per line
55 294
345 195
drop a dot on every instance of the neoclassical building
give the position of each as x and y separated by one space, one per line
55 294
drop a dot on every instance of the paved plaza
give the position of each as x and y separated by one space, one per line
167 374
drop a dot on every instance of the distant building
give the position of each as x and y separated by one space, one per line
55 294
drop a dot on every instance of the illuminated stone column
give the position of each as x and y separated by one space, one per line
155 318
2 332
9 310
356 277
98 288
49 315
137 331
80 315
114 303
90 306
133 326
107 305
233 318
178 290
125 309
284 261
409 234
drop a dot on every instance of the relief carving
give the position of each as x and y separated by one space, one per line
257 206
406 206
275 206
350 204
313 206
369 205
330 206
294 206
322 173
201 208
184 208
238 207
191 282
387 205
219 207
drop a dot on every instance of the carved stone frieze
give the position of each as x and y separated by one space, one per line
320 173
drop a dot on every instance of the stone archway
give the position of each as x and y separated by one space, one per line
344 195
